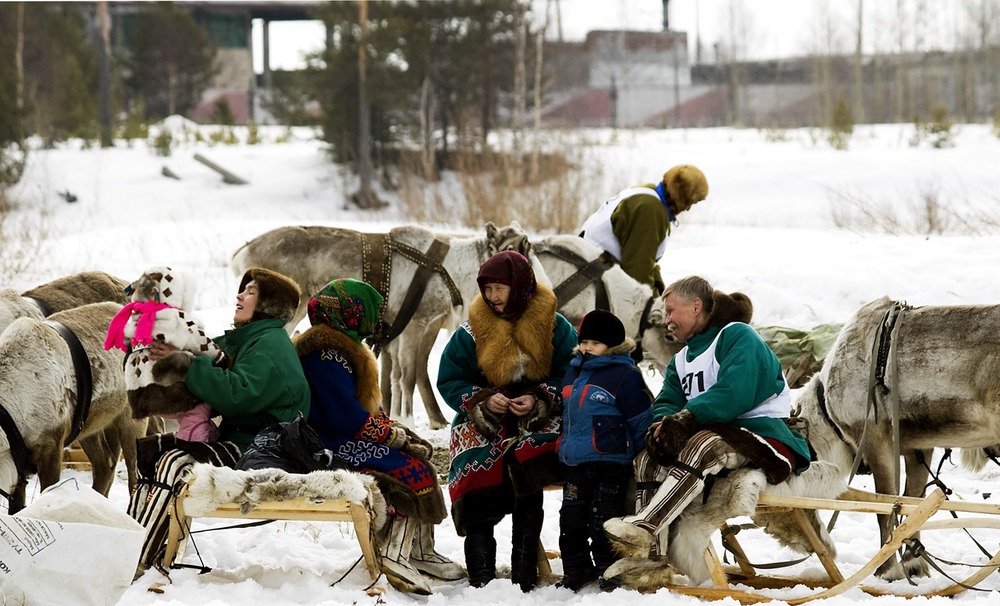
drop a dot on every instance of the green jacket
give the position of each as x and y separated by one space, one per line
749 373
641 223
264 384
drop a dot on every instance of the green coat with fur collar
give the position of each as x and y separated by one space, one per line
264 383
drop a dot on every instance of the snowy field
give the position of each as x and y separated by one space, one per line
787 222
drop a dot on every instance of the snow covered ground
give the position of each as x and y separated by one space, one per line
788 222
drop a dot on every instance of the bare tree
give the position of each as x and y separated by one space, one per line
364 197
739 28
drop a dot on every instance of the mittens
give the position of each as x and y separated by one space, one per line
676 430
172 368
419 450
655 450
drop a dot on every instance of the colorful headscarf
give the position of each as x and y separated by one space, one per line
513 269
348 306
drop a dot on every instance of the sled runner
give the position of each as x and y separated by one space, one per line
917 512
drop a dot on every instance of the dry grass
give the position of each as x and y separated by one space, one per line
547 186
21 238
930 211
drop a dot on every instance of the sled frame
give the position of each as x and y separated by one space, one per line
299 509
917 514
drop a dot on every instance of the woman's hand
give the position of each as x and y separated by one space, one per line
159 349
522 405
498 404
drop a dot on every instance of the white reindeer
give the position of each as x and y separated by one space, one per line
314 255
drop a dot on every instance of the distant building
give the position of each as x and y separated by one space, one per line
229 24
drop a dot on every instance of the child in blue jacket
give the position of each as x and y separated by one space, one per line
606 411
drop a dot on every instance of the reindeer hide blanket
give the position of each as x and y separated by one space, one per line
210 486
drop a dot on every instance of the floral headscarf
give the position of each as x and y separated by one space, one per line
348 306
513 269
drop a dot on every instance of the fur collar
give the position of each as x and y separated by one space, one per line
625 347
508 352
360 359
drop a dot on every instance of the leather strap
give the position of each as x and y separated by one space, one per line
84 378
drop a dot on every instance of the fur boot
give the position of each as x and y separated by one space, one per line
394 544
427 560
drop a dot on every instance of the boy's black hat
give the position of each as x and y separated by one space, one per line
602 326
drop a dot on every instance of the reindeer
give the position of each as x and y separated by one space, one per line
584 279
429 279
60 294
938 365
43 386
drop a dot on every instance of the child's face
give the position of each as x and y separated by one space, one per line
594 348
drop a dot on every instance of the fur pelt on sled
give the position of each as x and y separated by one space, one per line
210 486
736 495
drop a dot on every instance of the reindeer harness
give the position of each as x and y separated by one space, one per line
592 272
84 396
377 252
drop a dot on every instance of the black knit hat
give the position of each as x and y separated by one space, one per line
602 326
278 295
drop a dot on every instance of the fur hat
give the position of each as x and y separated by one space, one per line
686 185
734 307
602 326
277 295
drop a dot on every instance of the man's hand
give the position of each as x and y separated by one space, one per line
655 450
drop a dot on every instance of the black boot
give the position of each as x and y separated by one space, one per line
578 569
481 556
525 537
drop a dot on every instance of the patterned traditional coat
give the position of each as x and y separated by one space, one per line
486 355
346 413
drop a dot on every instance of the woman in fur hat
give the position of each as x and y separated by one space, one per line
256 383
347 415
501 372
723 405
634 226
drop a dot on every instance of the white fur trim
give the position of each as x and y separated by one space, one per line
210 486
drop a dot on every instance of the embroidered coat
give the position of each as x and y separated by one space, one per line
264 385
606 408
486 355
346 413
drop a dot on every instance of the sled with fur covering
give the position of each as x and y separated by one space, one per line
359 502
917 512
790 513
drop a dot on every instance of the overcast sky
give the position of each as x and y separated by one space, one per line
762 29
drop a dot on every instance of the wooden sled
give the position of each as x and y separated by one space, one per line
335 510
917 514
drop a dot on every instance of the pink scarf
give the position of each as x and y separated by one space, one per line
143 327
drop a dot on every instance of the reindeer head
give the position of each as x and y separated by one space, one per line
160 284
511 237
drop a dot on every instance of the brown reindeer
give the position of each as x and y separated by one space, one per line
941 364
40 391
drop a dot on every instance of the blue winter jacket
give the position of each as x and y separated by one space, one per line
606 410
